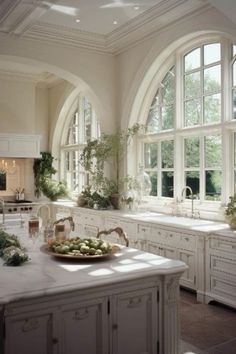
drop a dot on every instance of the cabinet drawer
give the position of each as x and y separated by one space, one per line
129 227
91 230
187 242
158 235
223 245
90 219
62 212
144 231
224 265
223 287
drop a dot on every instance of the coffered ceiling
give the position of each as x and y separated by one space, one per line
103 25
108 26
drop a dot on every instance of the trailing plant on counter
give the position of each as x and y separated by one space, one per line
43 182
10 249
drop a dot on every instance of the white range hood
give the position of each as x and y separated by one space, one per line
19 145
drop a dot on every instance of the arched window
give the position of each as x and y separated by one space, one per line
190 137
81 125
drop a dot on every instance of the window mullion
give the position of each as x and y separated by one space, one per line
202 169
159 170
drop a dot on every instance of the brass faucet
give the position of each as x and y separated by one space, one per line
191 195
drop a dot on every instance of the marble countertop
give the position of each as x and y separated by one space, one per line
46 275
198 225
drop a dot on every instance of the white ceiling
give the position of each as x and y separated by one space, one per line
95 16
103 25
55 21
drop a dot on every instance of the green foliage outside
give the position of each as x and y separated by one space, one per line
161 118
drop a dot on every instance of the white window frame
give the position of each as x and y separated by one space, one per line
226 127
65 148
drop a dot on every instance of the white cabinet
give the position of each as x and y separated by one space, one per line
221 269
173 244
118 323
188 279
134 322
129 227
85 327
16 145
87 222
30 333
163 251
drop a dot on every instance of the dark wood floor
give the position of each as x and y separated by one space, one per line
206 329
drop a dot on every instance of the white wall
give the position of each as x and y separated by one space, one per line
17 106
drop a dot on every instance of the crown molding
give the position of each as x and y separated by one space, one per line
67 36
43 79
136 30
19 76
152 21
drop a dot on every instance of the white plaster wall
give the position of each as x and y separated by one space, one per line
90 70
17 106
42 115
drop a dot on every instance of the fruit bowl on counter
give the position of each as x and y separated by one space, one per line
80 248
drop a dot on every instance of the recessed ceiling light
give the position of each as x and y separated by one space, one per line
77 20
115 22
136 7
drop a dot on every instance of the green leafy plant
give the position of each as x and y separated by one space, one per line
230 209
44 184
10 249
108 149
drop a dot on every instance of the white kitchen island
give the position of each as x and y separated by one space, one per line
126 304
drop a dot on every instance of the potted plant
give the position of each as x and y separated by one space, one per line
108 149
230 212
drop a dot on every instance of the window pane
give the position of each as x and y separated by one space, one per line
192 112
192 85
212 79
153 121
150 155
167 117
168 88
167 154
192 60
192 152
234 50
213 151
87 119
213 185
211 53
234 73
212 108
192 179
234 104
234 149
167 184
153 179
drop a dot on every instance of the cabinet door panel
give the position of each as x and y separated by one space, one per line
189 276
85 329
134 324
32 335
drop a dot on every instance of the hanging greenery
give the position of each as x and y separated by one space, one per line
43 182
